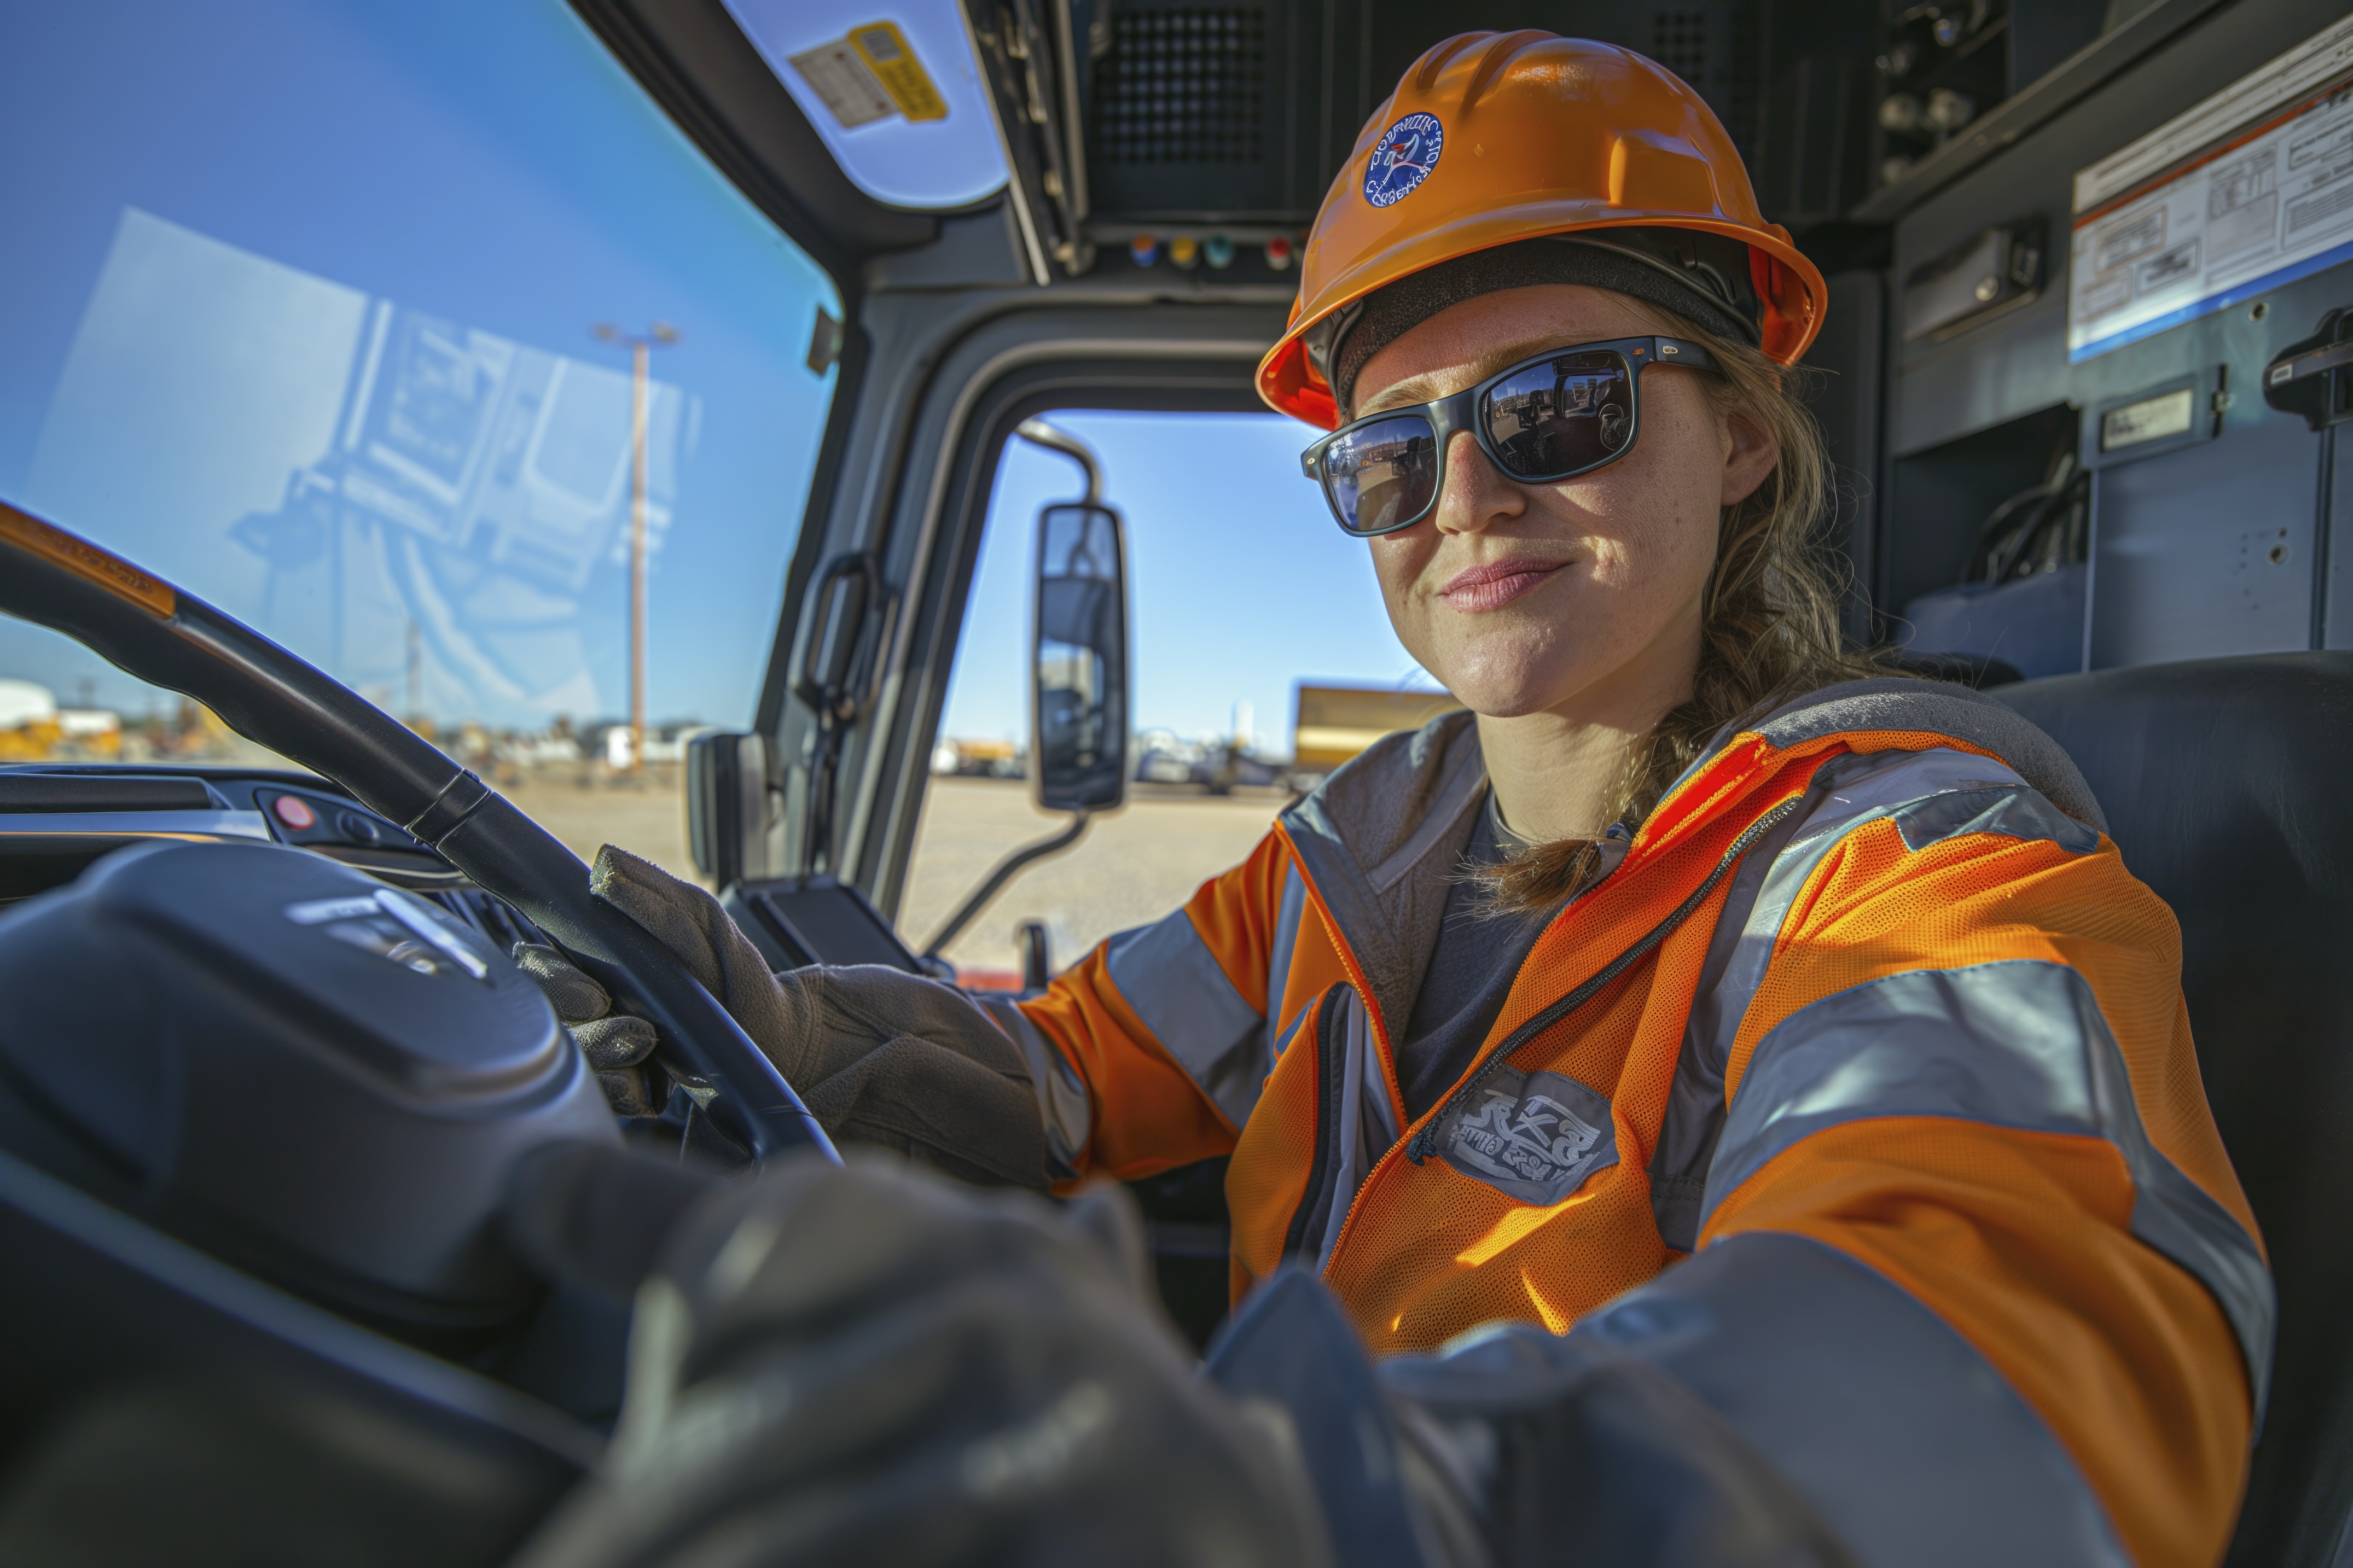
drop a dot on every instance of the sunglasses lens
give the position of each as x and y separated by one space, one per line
1382 474
1561 416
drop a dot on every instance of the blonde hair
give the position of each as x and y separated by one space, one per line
1770 623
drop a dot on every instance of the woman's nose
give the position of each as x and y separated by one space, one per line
1476 494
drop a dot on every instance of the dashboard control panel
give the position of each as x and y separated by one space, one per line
56 819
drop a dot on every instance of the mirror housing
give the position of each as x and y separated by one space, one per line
733 797
1078 666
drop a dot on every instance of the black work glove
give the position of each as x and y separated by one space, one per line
866 1366
615 1045
879 1056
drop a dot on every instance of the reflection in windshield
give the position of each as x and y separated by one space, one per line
434 498
303 298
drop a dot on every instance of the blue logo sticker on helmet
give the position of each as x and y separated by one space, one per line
1403 158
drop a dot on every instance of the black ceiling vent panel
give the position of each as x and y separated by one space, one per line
1791 83
1147 121
1194 114
1183 86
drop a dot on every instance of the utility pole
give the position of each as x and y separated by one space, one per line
641 346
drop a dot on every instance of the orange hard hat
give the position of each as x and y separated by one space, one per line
1492 139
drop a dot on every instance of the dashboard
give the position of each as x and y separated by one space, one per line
57 819
343 1233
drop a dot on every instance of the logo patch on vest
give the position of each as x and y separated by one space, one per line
1403 158
1531 1136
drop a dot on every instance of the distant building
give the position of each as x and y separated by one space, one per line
1335 722
34 729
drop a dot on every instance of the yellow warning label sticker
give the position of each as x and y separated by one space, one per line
86 561
893 60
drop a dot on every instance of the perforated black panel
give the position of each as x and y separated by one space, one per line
1679 42
1183 86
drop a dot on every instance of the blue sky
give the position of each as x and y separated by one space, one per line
1242 585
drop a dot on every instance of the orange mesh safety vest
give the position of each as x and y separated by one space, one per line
1869 975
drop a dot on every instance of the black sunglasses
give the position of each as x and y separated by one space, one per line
1544 419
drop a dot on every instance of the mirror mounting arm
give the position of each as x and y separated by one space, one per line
1038 433
829 687
1078 750
979 898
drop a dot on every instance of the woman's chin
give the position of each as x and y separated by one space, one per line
1507 682
1499 698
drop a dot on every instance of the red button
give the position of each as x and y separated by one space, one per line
291 810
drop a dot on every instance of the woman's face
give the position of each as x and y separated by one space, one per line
1524 598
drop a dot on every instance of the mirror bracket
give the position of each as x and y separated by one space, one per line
978 898
830 688
1038 433
1080 699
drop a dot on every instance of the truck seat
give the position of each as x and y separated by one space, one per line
2227 785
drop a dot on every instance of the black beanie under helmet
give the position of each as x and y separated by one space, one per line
1700 276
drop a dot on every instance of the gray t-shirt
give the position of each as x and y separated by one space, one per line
1470 974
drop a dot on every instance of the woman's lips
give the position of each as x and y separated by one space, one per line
1496 583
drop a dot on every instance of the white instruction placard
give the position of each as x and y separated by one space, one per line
841 76
2251 190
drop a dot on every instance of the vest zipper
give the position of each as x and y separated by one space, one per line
1424 1142
1330 1075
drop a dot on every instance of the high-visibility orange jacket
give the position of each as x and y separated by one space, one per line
1865 1071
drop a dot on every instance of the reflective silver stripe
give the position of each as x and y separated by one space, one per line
1906 785
1366 1126
1914 706
2007 810
1914 1449
2018 1043
1932 795
1293 909
1173 981
1062 1097
1694 1117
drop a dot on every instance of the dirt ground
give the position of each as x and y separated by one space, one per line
646 818
1129 870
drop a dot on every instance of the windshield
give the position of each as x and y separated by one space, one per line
392 330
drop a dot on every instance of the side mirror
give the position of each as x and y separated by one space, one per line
1078 682
1078 703
733 797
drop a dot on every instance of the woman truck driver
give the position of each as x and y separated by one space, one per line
1704 996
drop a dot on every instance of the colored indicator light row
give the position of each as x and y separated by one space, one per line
1187 251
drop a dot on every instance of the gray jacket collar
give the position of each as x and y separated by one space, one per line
1380 836
1377 837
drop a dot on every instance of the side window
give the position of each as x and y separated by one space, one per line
391 329
1242 591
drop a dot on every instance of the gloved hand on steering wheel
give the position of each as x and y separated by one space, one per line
878 1055
842 1366
615 1044
861 1364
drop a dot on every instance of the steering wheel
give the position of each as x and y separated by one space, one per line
149 628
